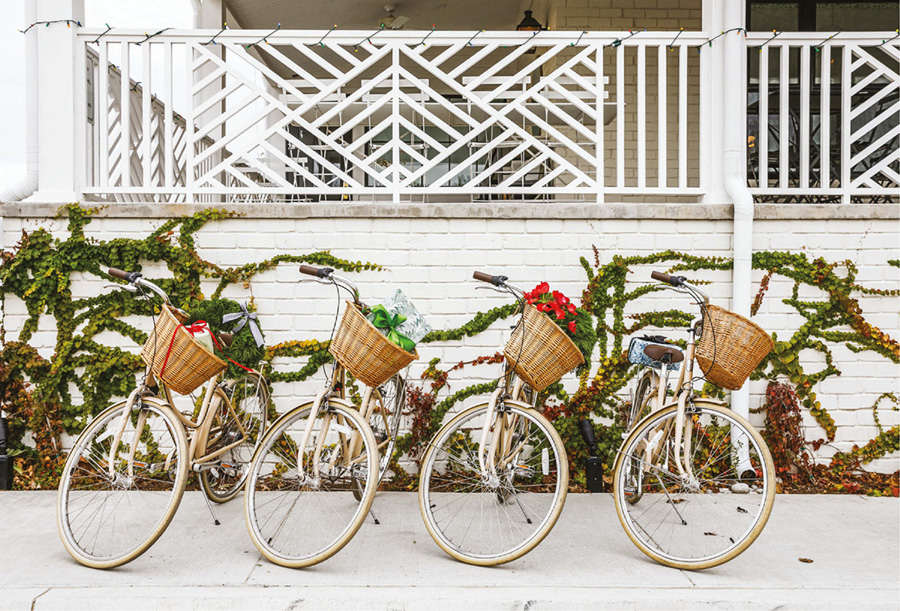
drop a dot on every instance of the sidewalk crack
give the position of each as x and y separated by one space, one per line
34 600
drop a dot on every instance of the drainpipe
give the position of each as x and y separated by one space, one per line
196 7
28 185
734 133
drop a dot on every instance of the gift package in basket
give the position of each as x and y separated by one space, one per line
183 350
377 343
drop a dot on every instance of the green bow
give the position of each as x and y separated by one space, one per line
384 320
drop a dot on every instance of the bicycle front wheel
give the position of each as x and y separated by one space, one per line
299 504
237 428
709 510
492 516
113 505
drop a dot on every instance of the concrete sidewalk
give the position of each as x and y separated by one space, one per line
586 562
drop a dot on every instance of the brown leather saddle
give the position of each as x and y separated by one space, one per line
664 354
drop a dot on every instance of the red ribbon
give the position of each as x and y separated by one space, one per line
193 329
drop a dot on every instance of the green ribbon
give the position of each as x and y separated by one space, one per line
384 320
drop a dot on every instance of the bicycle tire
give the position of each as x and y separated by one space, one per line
714 488
92 474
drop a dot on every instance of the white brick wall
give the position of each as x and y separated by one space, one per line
432 261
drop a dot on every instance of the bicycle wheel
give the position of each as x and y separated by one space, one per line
492 517
299 513
712 513
109 512
238 425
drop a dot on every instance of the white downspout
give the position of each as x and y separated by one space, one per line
196 6
28 185
734 102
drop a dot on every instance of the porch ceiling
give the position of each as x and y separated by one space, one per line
366 14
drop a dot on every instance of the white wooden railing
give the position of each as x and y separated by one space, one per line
554 116
853 80
496 116
155 146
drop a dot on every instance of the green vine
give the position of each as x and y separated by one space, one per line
36 391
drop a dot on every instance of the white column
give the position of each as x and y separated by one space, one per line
211 17
712 88
59 108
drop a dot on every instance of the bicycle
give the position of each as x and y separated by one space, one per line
694 483
128 470
314 475
494 478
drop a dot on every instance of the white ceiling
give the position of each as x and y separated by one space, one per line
365 14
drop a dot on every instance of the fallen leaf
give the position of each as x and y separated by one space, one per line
806 560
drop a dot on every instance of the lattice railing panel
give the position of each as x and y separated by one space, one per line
384 117
824 118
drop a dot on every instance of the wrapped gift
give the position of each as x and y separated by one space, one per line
400 321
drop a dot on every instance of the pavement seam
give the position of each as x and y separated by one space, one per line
34 600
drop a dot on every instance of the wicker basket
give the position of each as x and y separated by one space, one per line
361 348
189 364
730 348
545 354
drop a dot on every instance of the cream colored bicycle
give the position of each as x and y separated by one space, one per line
127 471
694 483
494 479
315 473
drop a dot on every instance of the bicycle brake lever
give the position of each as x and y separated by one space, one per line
490 288
124 287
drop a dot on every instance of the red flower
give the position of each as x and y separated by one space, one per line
562 299
571 308
542 288
559 314
572 327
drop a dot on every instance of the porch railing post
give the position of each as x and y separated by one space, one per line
61 103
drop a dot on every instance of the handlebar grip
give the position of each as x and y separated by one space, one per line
318 272
123 275
495 280
661 277
673 280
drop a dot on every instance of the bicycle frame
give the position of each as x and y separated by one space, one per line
198 429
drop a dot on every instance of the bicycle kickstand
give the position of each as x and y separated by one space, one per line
374 519
213 513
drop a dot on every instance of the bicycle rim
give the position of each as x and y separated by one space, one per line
299 513
486 519
108 517
243 417
703 519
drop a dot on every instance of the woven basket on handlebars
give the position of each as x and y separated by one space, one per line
189 364
363 350
539 351
731 347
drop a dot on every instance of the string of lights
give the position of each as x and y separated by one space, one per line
68 23
212 41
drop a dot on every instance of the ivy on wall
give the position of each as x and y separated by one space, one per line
36 393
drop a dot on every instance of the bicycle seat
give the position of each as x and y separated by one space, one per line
659 353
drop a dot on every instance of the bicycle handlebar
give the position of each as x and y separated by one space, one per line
326 274
318 272
137 279
495 280
673 280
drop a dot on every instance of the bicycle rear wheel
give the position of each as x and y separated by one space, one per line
299 513
110 511
493 517
238 426
714 511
